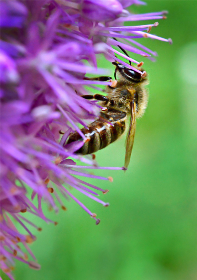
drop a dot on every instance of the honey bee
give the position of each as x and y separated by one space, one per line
126 97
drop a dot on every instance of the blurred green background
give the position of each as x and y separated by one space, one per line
149 232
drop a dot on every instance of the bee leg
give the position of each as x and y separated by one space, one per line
101 78
99 97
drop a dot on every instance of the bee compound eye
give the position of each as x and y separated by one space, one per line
132 75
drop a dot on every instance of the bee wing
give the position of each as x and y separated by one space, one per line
131 134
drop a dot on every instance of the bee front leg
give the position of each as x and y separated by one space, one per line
101 78
98 97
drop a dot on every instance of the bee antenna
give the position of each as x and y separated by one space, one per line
122 50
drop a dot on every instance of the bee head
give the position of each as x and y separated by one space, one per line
131 75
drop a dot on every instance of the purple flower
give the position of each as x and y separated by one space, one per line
46 50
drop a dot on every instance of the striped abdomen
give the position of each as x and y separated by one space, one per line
100 133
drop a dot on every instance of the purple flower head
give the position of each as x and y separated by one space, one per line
47 50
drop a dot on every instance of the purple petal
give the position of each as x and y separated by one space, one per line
101 10
12 13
